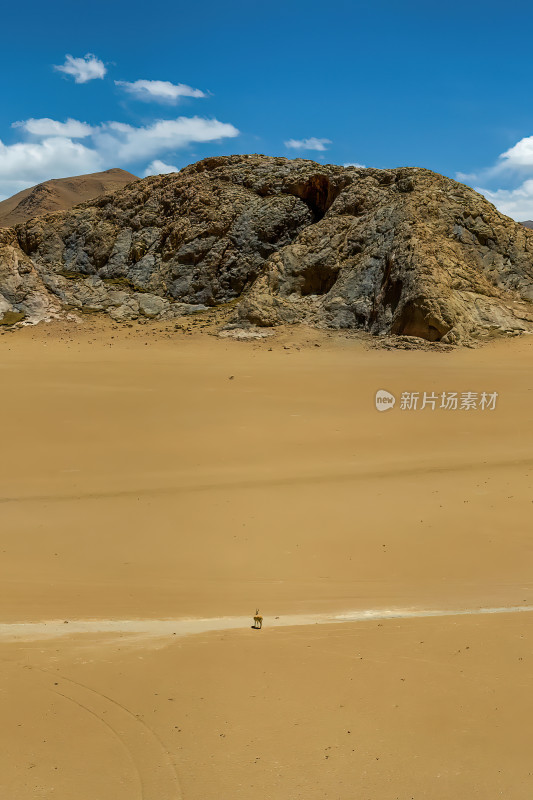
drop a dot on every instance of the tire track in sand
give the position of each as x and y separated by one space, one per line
152 762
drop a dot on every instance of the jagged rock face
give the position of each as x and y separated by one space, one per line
402 251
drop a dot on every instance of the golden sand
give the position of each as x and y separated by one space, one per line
147 474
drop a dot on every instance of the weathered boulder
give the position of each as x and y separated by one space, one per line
401 252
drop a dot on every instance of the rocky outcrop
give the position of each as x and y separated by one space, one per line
403 252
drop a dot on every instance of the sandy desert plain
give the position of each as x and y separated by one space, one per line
159 485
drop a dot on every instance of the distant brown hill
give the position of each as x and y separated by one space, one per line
60 194
528 223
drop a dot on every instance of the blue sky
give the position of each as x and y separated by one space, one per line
448 87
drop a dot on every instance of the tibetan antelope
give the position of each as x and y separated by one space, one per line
258 619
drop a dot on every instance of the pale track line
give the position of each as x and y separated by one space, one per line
154 628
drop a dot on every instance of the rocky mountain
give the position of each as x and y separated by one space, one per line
60 194
528 223
401 251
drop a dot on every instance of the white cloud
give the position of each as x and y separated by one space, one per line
72 128
515 198
159 91
516 203
83 69
307 144
25 163
128 143
107 145
354 164
466 177
519 156
158 167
